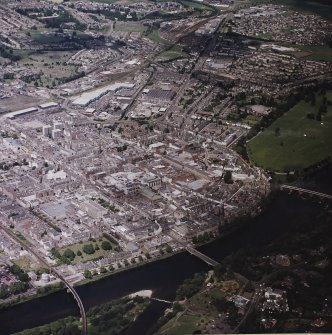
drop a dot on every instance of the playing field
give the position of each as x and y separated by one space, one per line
294 141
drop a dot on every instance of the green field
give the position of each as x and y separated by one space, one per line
318 7
185 324
300 141
129 27
23 262
51 65
196 5
172 53
318 53
155 37
105 1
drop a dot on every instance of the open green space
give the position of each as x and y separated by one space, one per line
82 256
251 120
318 7
49 36
105 1
51 66
173 52
317 52
106 319
129 27
196 5
296 140
23 262
155 37
185 324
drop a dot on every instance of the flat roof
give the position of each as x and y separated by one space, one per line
21 112
85 98
48 105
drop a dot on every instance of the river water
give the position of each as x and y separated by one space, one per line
163 277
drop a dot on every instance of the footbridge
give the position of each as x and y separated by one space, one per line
304 190
162 300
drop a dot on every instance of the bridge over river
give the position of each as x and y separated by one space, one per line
304 190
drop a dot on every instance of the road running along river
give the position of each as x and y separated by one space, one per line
163 277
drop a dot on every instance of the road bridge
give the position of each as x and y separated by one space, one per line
202 256
304 190
59 275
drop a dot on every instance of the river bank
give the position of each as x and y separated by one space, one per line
162 277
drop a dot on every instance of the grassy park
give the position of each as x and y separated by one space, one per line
97 252
155 37
173 53
130 27
185 324
296 140
51 66
317 52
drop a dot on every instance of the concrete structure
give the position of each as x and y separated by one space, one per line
86 98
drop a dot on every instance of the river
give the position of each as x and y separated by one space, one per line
163 277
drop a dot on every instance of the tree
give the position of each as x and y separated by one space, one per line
79 253
24 277
88 249
87 274
105 245
102 269
68 253
18 287
169 249
55 253
15 269
228 177
3 293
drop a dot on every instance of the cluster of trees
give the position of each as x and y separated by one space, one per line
18 287
228 177
8 75
6 166
89 274
63 18
311 98
203 238
67 326
114 317
15 288
69 255
89 249
19 273
122 148
32 77
278 111
168 249
9 54
176 308
117 14
190 286
105 203
50 288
